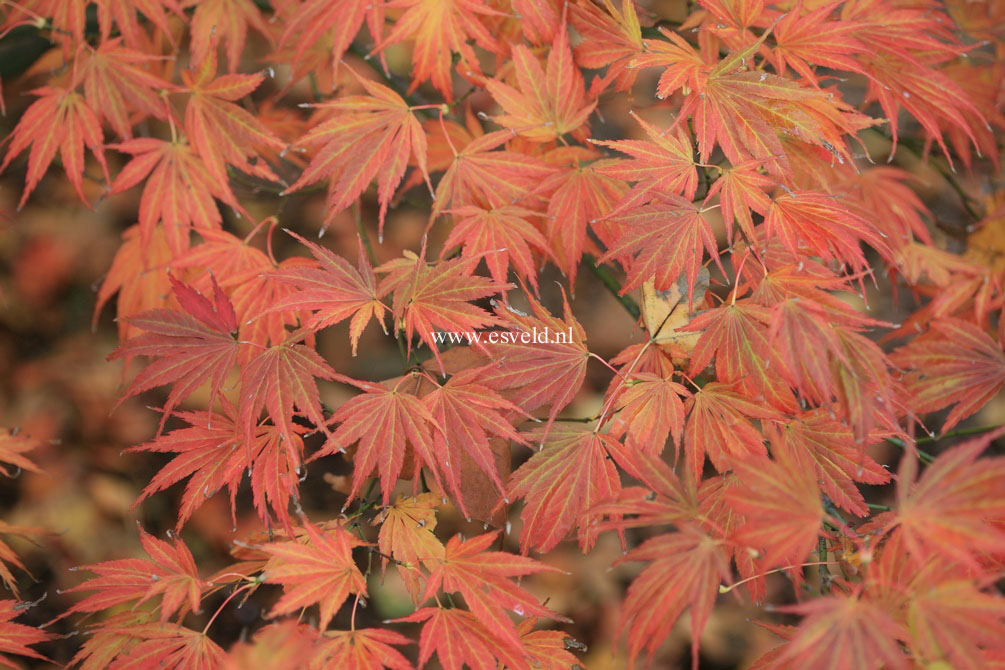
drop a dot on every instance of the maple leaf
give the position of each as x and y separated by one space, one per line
382 420
549 102
167 646
224 21
567 477
363 648
741 189
213 452
116 85
480 176
747 113
133 274
366 137
202 456
124 15
437 297
60 120
548 649
309 25
285 645
665 499
548 373
334 290
319 571
781 502
8 555
882 195
684 573
663 240
178 190
718 424
579 196
16 638
663 163
406 534
949 510
663 314
170 572
807 341
13 446
806 38
250 278
611 39
835 455
460 639
905 48
439 29
736 336
220 130
503 236
954 363
651 408
845 631
276 470
191 346
482 578
467 413
955 622
806 220
282 379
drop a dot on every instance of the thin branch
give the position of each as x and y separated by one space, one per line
612 285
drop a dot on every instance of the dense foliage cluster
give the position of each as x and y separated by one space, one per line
722 170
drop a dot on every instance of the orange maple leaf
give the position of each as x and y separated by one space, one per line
366 137
320 570
954 363
549 102
482 577
170 572
59 121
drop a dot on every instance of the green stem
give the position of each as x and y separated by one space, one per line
923 456
612 285
960 432
825 573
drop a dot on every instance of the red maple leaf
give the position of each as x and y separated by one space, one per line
192 347
663 240
567 477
